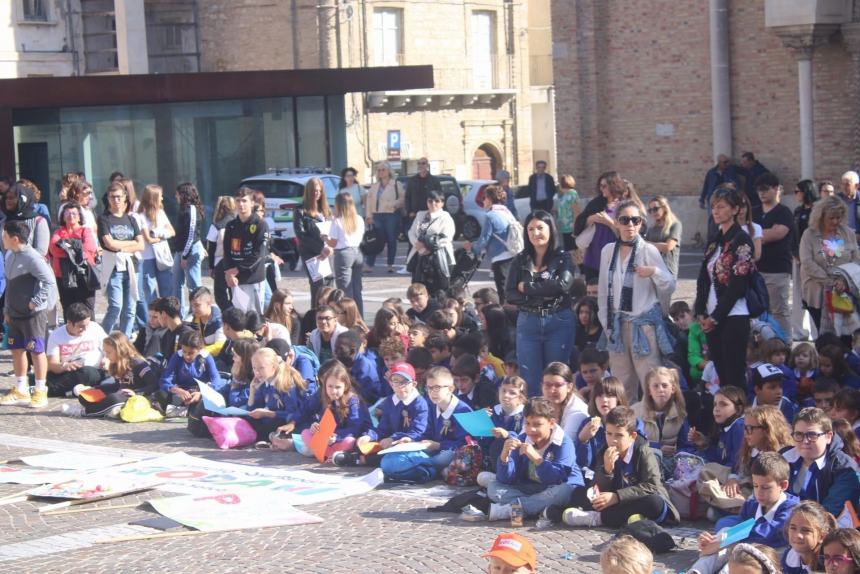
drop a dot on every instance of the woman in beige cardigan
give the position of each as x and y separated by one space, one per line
384 210
826 243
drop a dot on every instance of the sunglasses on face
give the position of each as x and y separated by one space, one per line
655 209
627 220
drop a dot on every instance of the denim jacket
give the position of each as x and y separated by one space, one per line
494 233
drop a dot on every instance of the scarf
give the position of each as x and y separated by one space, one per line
627 286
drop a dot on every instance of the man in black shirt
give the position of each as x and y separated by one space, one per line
166 309
416 191
246 241
777 223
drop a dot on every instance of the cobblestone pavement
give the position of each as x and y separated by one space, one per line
387 530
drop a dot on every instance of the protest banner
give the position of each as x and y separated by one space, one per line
32 476
214 512
184 474
75 460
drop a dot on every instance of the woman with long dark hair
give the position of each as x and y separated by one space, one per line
432 235
500 339
349 183
539 284
310 224
188 251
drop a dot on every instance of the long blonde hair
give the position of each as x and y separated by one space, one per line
677 398
776 429
151 202
286 377
126 354
669 219
321 206
226 205
344 208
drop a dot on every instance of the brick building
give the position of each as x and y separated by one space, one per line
657 90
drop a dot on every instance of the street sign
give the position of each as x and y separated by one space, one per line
393 144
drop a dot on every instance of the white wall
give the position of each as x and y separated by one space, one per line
31 48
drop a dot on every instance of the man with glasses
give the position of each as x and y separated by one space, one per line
416 191
818 471
322 340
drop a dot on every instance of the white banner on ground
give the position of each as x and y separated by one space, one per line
75 460
253 508
185 474
32 476
93 486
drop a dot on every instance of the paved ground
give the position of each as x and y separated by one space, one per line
387 530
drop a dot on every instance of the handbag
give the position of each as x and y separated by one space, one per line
163 255
758 300
373 242
466 464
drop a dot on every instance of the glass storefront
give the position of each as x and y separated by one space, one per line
214 144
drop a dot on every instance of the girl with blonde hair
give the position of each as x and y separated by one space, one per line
276 397
663 412
347 232
156 229
665 232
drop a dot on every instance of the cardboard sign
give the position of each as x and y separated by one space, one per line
737 533
319 442
476 423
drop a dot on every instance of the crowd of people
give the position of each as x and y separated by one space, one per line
609 400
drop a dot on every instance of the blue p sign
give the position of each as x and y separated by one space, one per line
393 139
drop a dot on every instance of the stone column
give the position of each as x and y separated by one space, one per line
721 97
851 36
803 40
132 54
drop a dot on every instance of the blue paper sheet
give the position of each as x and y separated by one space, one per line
476 423
225 411
298 443
737 533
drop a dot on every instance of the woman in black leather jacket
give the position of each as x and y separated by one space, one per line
307 221
539 285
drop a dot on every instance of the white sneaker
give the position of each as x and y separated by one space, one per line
484 478
114 411
72 409
78 389
577 517
175 411
500 511
472 514
711 514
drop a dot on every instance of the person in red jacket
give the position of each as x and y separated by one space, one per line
73 237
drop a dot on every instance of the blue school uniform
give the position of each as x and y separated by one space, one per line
365 373
443 428
356 422
792 564
306 369
513 423
853 360
850 380
287 406
728 444
558 466
789 383
586 452
483 395
407 418
184 375
787 407
769 528
236 396
829 480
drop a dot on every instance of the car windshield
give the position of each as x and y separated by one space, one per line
279 189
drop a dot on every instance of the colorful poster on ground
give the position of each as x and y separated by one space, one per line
32 476
185 474
75 460
93 486
228 510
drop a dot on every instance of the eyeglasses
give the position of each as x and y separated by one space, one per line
654 209
400 382
836 559
627 220
437 388
810 436
823 402
749 429
325 319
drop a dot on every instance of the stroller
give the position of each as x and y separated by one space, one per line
465 265
841 314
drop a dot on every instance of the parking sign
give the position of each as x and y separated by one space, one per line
393 144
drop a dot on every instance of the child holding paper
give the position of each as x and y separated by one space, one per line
403 419
276 397
190 364
336 393
770 507
443 435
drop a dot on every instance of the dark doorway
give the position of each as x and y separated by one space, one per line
33 165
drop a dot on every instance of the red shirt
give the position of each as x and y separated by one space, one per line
56 253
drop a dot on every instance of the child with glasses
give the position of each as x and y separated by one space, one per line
818 472
842 551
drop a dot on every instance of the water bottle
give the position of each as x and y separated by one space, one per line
516 514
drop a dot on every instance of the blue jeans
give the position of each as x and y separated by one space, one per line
120 305
191 274
534 497
540 341
154 283
389 224
415 466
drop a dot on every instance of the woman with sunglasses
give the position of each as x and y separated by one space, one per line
432 235
539 283
721 288
633 294
665 232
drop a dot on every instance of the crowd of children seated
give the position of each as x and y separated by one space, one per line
780 447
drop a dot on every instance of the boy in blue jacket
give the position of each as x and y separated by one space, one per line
184 368
770 506
362 364
537 467
403 418
443 435
768 381
817 471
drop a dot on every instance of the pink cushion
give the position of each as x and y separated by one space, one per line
230 432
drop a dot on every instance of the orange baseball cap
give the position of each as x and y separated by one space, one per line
514 550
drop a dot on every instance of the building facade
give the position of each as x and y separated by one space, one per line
658 93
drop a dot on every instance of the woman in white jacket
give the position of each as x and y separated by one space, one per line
432 234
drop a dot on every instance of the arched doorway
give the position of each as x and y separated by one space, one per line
485 162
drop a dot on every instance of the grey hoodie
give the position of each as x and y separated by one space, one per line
29 279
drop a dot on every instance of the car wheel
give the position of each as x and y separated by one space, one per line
471 228
452 204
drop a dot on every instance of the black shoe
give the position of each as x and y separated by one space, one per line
553 514
343 458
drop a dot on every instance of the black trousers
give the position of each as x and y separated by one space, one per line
545 204
500 276
62 383
80 294
650 507
220 289
727 345
815 313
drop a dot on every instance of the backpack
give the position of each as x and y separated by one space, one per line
515 241
758 300
302 350
466 464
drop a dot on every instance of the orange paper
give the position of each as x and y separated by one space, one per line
319 442
848 518
93 395
368 447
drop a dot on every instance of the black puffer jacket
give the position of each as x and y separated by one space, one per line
308 234
547 290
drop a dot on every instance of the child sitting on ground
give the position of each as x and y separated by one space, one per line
190 364
507 417
592 368
440 347
536 468
418 334
768 384
823 393
276 398
804 365
511 554
753 559
472 388
775 352
626 555
728 432
769 502
850 442
846 405
442 437
335 393
403 418
663 412
818 472
627 480
831 363
841 551
350 349
808 525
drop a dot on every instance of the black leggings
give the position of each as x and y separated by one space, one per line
650 507
500 276
727 345
62 383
